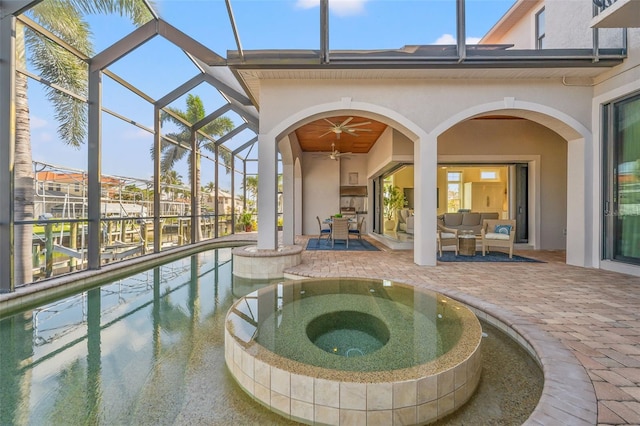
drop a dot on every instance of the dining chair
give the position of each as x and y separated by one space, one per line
358 229
323 230
340 230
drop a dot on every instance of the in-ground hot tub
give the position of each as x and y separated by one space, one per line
337 351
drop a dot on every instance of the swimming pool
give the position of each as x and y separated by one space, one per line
149 349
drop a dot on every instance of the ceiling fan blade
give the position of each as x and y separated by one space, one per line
332 124
340 154
364 123
344 123
325 133
360 130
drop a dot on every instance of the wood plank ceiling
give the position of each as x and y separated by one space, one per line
351 134
348 133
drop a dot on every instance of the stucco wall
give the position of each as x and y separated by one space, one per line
320 191
433 106
567 26
427 103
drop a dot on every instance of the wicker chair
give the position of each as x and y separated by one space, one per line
498 233
447 237
358 230
340 230
326 231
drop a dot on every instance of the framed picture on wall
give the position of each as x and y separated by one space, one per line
353 178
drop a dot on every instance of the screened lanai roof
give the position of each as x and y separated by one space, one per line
221 49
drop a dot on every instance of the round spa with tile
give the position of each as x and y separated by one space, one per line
354 351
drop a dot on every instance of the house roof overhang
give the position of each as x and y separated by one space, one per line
481 62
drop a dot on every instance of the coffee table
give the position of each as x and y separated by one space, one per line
467 244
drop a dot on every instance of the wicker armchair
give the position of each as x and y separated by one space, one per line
498 233
447 237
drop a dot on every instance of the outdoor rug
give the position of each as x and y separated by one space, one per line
494 256
354 245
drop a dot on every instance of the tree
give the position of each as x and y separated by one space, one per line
251 185
65 19
171 153
171 179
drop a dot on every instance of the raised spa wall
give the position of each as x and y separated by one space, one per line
318 401
250 262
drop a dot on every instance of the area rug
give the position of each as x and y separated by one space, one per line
494 256
354 245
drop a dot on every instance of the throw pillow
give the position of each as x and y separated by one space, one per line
502 229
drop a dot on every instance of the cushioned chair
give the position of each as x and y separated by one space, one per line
498 233
402 215
324 230
357 231
447 237
340 230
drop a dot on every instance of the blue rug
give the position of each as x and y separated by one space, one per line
494 256
354 245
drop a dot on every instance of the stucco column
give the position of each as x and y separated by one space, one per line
288 194
425 152
580 235
297 198
267 193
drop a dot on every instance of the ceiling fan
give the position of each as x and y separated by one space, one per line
335 154
345 127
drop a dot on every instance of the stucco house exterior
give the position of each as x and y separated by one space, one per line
547 105
545 95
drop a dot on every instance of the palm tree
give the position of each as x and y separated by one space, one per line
251 185
171 178
171 153
65 19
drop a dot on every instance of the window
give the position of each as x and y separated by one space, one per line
484 175
454 191
540 30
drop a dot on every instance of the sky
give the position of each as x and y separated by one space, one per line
157 67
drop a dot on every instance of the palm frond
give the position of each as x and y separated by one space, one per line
58 66
135 9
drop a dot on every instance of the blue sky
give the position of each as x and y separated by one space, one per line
157 67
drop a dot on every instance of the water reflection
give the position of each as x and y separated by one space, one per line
125 352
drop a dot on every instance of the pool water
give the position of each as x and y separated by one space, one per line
149 349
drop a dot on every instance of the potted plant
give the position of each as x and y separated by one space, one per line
392 200
246 219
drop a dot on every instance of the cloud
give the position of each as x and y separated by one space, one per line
43 137
37 122
449 39
137 134
338 7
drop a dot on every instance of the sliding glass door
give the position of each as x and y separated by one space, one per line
622 180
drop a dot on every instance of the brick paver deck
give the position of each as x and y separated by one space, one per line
583 323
